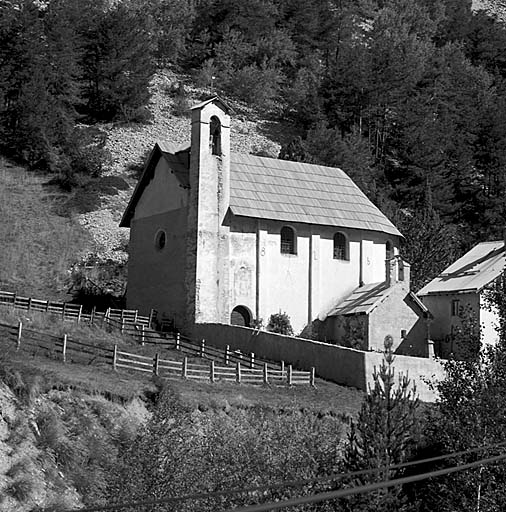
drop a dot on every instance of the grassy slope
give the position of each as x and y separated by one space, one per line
38 246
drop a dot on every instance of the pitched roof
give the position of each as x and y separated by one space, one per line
471 273
178 159
362 300
213 99
268 188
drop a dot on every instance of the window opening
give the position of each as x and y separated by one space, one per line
340 247
288 245
215 136
160 240
455 307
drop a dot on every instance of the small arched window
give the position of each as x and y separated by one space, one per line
215 136
340 247
288 241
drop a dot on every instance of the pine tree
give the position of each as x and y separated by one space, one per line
384 434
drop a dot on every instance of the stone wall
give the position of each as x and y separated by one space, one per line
338 364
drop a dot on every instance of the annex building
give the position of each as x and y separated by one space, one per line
228 238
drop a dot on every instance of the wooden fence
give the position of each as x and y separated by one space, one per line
130 323
70 350
76 313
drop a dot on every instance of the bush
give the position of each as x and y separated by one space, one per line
181 106
22 488
280 323
254 84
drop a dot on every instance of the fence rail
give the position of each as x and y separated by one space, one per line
130 323
70 350
75 312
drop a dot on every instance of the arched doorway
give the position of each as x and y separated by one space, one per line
240 316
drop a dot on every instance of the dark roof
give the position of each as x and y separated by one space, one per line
269 188
214 99
364 299
471 273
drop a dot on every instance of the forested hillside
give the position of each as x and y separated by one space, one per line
408 97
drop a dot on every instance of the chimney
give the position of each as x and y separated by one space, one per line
397 271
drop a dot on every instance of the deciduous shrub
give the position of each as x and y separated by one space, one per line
280 323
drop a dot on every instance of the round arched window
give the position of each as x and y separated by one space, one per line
160 240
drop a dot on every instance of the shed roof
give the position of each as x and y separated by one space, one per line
268 188
471 273
362 300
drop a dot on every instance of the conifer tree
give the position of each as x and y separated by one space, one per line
384 434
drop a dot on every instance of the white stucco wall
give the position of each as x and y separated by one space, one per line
489 321
163 193
304 285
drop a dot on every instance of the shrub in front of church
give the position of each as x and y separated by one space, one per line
280 323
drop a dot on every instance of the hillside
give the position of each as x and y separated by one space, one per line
129 145
64 427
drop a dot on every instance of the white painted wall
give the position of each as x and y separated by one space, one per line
162 194
489 322
306 285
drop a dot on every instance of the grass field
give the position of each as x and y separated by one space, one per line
38 246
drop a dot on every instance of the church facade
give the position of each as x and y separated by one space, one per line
220 237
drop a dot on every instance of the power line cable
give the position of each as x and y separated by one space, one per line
286 483
315 498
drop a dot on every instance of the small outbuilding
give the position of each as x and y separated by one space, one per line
460 291
373 311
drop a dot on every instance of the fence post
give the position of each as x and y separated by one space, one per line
312 376
185 368
212 371
252 360
114 357
202 348
92 316
135 318
266 376
156 364
151 316
142 334
29 303
282 368
79 314
178 341
20 329
238 372
64 348
289 375
122 323
47 306
227 355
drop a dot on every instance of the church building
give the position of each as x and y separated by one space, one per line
220 237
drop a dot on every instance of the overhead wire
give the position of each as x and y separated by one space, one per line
342 493
283 484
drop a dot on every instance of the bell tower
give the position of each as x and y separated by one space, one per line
207 273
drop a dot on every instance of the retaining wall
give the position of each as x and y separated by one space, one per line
338 364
